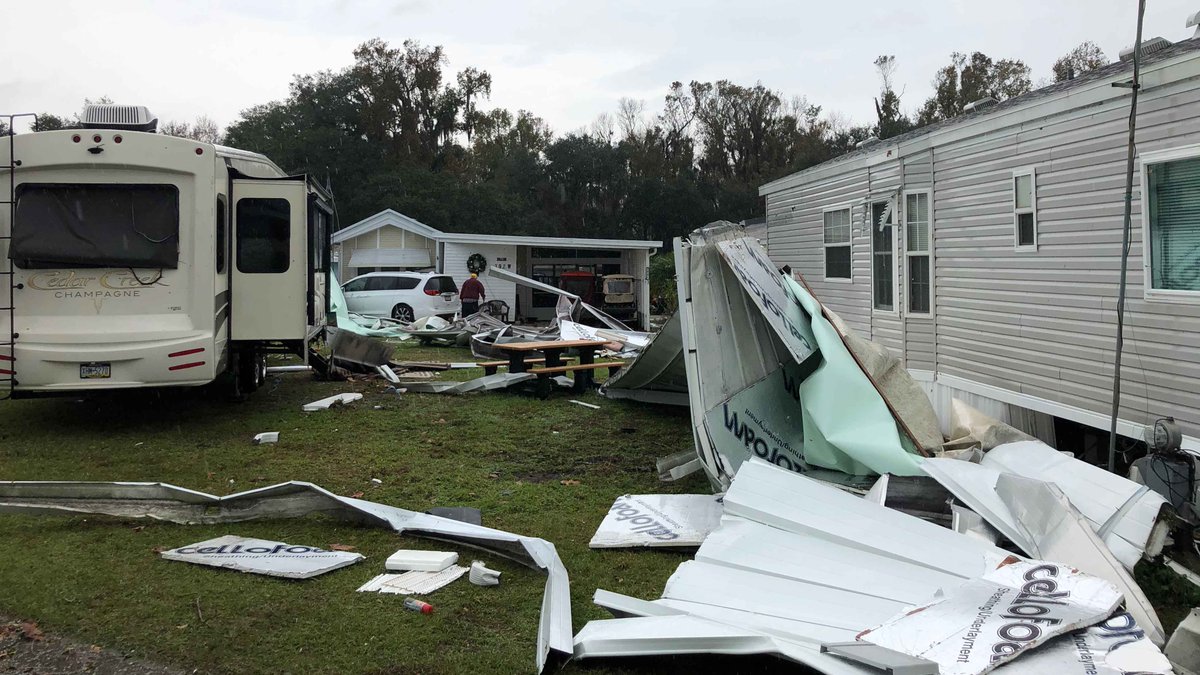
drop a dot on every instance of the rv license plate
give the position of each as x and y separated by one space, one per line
95 371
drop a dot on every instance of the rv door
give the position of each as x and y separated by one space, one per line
269 299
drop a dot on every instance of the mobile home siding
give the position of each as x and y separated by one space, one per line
1043 323
1038 323
919 345
885 181
796 238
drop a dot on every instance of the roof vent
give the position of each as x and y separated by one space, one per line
1155 44
981 104
1194 20
127 117
869 140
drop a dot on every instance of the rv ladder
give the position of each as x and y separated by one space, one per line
8 338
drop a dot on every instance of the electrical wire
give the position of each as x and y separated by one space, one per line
1127 238
153 281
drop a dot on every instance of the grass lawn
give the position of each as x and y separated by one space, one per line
99 579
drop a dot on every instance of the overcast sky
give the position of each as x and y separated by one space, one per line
566 61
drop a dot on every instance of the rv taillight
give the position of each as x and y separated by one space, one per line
430 291
199 151
116 139
96 138
75 138
183 366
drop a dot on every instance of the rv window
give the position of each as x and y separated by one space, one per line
221 209
264 232
92 225
319 220
618 286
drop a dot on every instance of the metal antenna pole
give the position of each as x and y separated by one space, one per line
1125 239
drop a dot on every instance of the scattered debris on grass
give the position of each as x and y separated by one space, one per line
162 501
413 583
481 575
266 437
326 403
420 561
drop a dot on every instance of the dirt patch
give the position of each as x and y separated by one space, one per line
26 649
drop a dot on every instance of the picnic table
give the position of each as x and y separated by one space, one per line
518 352
519 360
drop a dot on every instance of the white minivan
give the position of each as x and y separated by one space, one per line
405 296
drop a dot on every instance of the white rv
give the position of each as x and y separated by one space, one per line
137 259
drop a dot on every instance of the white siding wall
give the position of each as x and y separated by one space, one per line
796 237
1044 323
455 264
919 347
886 327
1041 323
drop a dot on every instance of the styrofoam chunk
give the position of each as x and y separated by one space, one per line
420 561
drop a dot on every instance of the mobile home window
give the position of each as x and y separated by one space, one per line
96 225
917 248
883 257
1024 186
264 235
1174 223
837 244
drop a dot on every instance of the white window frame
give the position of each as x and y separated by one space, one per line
1012 185
1145 159
896 280
849 244
908 312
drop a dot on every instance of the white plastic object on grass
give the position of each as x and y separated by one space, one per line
414 582
422 561
325 403
266 437
483 576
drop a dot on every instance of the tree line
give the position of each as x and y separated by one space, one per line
396 129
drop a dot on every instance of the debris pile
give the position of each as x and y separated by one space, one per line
161 501
985 550
799 568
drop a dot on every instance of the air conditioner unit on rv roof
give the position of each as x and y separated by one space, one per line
127 117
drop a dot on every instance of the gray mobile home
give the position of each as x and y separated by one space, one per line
986 249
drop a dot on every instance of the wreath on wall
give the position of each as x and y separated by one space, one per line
476 263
